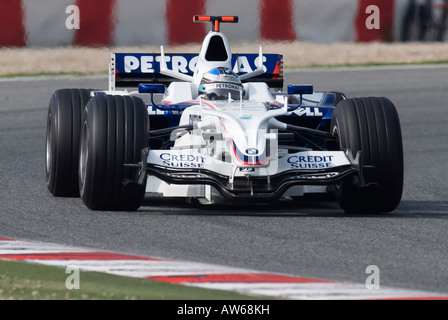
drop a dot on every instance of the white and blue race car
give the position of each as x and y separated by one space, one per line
217 127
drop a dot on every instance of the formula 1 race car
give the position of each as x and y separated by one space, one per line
217 127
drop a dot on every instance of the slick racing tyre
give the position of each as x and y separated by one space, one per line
370 125
114 131
62 141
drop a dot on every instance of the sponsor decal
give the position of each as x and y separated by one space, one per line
308 112
252 151
151 63
247 169
182 160
310 162
227 86
186 63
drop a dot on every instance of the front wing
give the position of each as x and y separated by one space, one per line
234 181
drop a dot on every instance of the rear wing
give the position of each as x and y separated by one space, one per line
131 69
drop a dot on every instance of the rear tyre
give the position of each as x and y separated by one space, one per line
114 131
372 126
62 141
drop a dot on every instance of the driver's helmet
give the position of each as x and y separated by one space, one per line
218 83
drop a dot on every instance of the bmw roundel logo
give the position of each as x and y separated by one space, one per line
252 151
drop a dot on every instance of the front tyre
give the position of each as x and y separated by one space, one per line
62 141
370 125
113 133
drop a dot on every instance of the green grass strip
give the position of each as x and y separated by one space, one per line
30 281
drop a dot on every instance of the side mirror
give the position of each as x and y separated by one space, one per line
151 88
300 89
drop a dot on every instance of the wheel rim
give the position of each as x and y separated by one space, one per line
335 132
84 155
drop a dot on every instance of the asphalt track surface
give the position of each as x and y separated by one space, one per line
310 239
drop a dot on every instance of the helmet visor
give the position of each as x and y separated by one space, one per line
221 90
